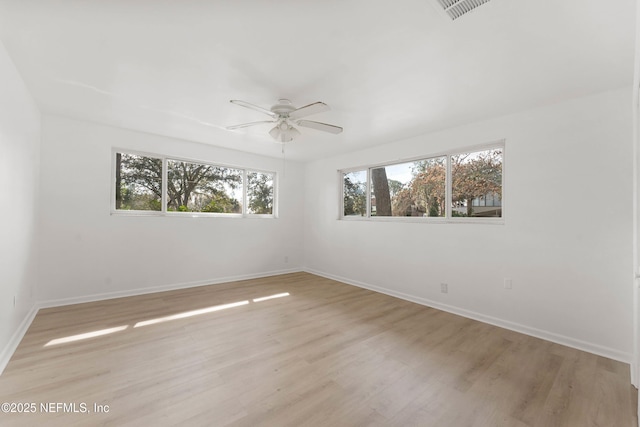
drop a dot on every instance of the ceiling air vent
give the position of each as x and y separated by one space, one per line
456 8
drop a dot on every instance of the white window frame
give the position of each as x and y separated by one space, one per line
448 218
165 212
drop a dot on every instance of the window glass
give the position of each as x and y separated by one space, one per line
190 186
410 189
425 193
476 180
195 187
260 193
354 189
464 184
138 183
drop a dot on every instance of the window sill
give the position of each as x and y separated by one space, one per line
427 220
188 214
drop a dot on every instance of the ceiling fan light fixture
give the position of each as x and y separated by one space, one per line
283 132
294 132
275 133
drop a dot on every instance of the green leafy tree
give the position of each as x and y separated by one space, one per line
220 202
355 197
260 192
395 187
190 186
138 182
196 185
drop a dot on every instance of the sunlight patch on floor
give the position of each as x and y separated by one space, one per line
86 335
284 294
190 313
163 319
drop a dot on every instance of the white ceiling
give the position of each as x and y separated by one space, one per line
388 69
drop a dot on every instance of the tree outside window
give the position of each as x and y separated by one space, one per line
355 193
419 188
260 193
190 187
477 182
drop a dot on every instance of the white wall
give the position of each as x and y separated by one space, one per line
566 241
19 169
88 253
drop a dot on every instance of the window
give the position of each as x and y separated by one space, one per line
260 193
477 184
409 189
355 193
453 185
147 183
138 182
196 187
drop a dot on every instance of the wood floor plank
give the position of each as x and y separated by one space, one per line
324 354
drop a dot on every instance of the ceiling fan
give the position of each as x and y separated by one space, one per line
285 115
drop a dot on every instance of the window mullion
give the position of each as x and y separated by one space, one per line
165 185
449 189
245 197
369 193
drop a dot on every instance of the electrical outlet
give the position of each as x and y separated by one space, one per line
286 259
444 288
507 283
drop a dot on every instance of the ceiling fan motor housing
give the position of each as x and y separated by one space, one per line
283 107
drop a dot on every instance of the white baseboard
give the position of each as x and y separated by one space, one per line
12 345
527 330
162 288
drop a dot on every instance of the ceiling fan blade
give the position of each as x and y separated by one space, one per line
253 107
246 125
307 110
320 126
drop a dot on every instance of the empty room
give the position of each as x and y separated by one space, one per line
319 213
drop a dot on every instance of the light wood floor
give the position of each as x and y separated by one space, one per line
328 354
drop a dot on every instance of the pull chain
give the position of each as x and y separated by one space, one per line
284 163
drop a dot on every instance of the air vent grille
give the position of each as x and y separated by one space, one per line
456 8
